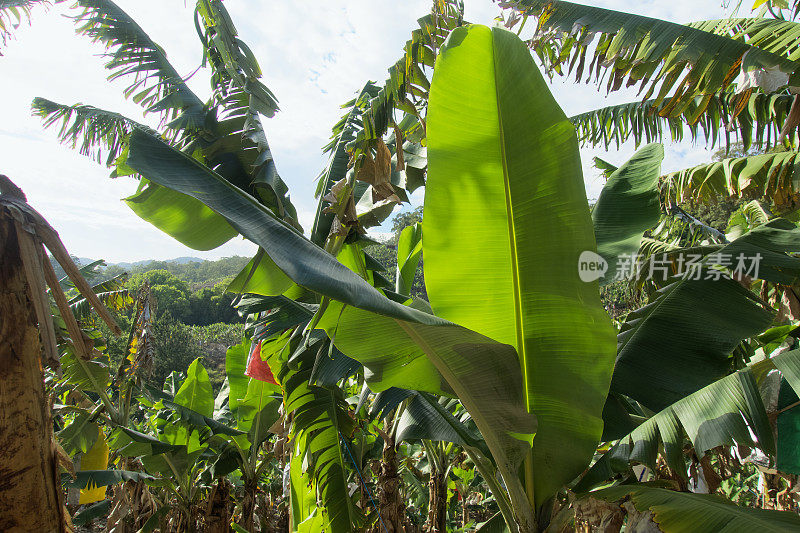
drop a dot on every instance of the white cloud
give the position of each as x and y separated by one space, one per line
315 56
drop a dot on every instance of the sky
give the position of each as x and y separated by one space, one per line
314 55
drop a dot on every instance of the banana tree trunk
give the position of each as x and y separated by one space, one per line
437 506
218 509
30 492
390 503
249 504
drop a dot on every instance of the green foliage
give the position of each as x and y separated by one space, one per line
177 345
506 221
403 220
678 511
209 304
495 229
386 253
175 348
627 207
197 273
715 214
409 253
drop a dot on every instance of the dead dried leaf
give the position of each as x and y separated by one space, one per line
640 522
63 459
600 515
343 207
377 172
398 142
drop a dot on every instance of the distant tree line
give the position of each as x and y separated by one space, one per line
207 305
196 274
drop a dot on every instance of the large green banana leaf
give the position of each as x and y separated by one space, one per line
721 414
260 276
627 207
181 217
703 318
409 252
196 392
320 420
305 263
235 367
681 341
506 219
425 417
681 512
456 353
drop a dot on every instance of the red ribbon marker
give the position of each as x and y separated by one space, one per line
257 368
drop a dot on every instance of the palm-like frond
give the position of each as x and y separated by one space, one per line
96 130
682 60
111 292
233 64
772 176
772 35
133 54
756 119
236 145
13 13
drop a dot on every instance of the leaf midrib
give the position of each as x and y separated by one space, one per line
512 237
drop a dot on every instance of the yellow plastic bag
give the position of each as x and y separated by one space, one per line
95 459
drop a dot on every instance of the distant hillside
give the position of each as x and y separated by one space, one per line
145 262
197 273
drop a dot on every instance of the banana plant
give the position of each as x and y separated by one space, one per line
510 327
252 407
174 444
346 326
443 428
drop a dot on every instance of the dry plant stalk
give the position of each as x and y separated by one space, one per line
31 497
